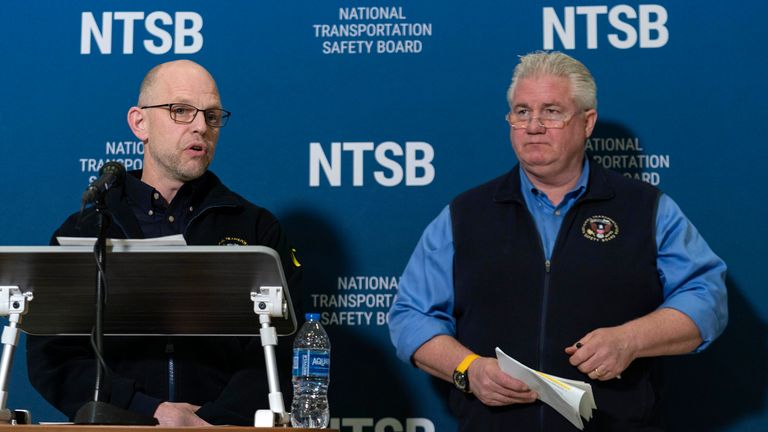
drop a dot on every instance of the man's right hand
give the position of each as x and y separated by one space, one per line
493 387
440 355
172 414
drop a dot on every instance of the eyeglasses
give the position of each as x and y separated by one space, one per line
549 118
184 113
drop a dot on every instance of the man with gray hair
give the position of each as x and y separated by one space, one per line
570 268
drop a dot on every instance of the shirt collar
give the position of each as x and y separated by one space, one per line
146 197
531 194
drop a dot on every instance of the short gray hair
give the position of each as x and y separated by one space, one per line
553 63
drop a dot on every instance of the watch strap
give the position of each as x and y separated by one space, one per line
464 365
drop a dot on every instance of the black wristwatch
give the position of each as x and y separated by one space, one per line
460 375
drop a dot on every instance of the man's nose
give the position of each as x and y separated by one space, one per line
535 126
199 123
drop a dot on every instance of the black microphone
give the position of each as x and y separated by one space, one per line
111 174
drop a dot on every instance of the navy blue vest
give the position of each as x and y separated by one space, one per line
602 273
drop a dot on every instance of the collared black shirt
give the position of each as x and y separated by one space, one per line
156 217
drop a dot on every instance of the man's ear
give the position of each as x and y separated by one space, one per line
138 123
591 119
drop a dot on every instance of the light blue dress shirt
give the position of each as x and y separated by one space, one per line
692 276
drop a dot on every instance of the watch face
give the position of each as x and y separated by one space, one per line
460 380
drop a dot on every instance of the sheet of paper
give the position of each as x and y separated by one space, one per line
172 240
572 399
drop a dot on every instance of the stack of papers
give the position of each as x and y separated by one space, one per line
572 399
171 240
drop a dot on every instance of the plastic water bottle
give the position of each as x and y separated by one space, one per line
311 373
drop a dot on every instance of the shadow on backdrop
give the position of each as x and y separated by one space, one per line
364 369
725 383
618 148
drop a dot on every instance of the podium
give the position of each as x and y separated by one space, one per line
185 283
225 285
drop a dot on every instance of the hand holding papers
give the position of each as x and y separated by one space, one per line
572 399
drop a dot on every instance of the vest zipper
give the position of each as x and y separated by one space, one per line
543 314
543 326
544 298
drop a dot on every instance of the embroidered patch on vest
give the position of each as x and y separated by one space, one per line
232 241
600 228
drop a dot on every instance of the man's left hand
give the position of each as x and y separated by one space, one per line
175 414
603 354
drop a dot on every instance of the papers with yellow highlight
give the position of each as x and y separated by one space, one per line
572 399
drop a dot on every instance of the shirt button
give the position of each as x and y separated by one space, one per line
151 212
191 208
171 219
557 212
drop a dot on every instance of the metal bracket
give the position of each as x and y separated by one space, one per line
13 304
268 302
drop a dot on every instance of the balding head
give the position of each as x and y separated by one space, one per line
164 72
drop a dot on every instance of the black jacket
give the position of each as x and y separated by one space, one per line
224 375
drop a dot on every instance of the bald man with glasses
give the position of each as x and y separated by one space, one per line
192 381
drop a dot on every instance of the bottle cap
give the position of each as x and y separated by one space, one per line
312 316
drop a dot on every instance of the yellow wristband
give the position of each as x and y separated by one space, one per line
464 365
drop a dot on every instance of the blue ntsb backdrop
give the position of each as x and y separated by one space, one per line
356 124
